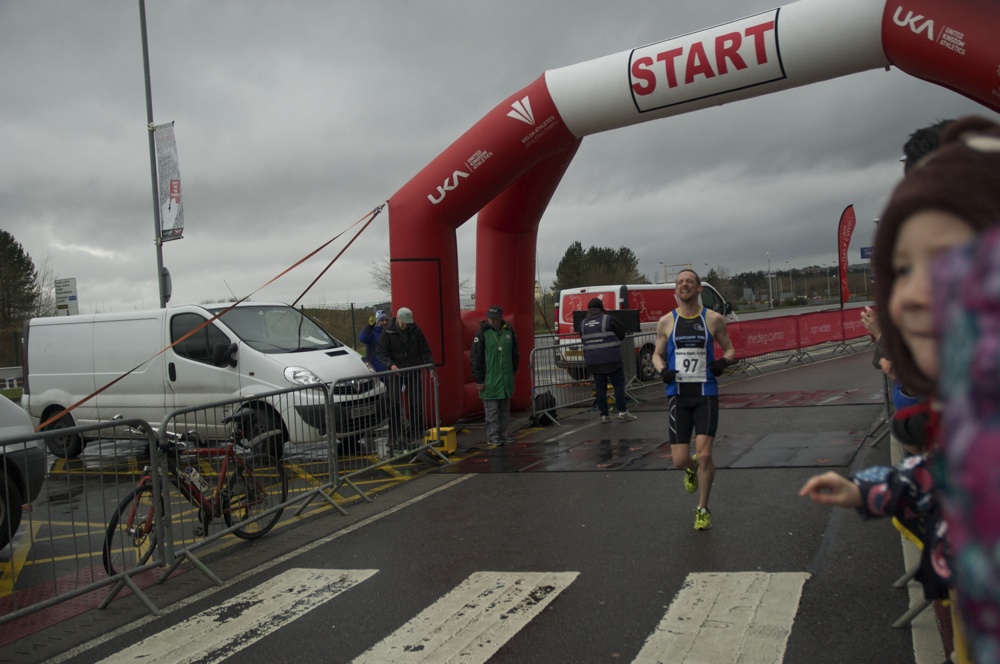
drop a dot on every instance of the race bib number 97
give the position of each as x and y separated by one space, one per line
690 365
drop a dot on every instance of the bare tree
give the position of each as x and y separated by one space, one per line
381 276
45 283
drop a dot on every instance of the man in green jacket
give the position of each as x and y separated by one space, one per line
494 361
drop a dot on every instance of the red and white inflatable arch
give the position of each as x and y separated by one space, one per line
507 166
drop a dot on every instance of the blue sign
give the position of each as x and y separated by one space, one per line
866 252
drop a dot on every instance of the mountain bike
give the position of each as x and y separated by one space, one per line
238 480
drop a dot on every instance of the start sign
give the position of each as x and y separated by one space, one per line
712 62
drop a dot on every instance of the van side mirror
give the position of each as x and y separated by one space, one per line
223 354
728 309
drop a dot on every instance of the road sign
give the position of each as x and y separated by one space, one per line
66 301
866 252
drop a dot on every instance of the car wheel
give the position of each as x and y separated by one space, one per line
645 371
10 509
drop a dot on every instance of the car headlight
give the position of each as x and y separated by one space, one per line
301 376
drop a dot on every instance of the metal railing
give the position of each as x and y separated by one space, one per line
140 499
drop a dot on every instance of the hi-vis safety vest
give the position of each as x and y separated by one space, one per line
600 344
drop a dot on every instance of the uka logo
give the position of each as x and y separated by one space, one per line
916 22
450 184
521 110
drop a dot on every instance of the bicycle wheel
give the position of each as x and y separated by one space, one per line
131 536
255 486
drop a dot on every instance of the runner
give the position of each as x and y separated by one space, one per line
685 358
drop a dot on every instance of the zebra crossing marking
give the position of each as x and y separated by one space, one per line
217 633
472 621
727 617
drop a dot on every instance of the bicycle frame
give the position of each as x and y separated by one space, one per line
212 506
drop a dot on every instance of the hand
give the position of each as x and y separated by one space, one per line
870 321
668 375
719 366
371 320
832 489
480 386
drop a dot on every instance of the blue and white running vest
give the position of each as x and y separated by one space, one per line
690 349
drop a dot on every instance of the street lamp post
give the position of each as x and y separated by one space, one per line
827 284
770 293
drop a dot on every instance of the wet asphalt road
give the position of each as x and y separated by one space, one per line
627 533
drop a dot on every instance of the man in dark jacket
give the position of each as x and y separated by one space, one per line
494 359
601 336
401 346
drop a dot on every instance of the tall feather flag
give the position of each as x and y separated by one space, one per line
847 222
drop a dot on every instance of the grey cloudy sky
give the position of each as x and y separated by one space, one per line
294 119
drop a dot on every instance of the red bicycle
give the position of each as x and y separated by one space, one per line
243 484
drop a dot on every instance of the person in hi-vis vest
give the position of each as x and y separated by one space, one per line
601 336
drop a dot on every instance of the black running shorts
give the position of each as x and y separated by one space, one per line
698 414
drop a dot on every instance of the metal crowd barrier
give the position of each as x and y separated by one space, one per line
321 433
283 437
403 423
64 530
560 378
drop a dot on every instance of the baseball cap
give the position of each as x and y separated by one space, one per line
494 312
404 315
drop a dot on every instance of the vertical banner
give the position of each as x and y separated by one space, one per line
168 175
847 221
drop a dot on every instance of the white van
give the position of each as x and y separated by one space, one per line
252 349
652 301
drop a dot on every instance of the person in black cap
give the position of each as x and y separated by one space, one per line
495 358
601 336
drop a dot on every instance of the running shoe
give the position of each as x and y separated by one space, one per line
702 519
691 476
626 416
605 419
510 439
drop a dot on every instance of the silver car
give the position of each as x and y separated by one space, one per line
23 467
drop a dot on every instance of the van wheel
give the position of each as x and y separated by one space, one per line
645 371
10 509
68 446
579 373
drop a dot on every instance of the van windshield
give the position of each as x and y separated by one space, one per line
276 329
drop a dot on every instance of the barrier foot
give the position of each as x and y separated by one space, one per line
914 611
200 566
308 499
348 482
882 421
333 503
136 590
546 414
906 578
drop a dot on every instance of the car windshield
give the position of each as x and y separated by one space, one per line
276 329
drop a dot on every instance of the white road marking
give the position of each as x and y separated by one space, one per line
473 621
218 633
263 567
736 617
